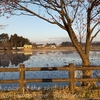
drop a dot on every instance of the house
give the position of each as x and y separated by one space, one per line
51 45
40 45
26 46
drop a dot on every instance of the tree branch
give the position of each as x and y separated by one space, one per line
94 36
33 13
95 27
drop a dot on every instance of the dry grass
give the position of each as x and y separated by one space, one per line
61 93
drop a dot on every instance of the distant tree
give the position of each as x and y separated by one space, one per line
4 41
6 45
15 40
4 37
63 44
18 41
49 44
34 45
95 44
27 41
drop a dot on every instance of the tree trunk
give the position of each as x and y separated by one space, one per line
86 73
83 54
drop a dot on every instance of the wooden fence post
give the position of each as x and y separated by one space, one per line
71 77
22 78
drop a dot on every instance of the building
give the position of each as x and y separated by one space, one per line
40 45
26 46
51 45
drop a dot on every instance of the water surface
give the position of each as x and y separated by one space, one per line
44 59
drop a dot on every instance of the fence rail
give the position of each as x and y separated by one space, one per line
71 68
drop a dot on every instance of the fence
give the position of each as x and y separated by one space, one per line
71 68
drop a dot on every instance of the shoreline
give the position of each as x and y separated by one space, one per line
51 49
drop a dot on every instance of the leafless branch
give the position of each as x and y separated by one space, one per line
94 36
95 26
33 13
3 26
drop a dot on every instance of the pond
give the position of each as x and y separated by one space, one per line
43 59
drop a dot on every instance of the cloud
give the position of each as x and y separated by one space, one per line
53 40
57 40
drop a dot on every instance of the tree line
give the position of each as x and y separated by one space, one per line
8 42
67 43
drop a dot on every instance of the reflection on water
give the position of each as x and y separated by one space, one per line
12 58
43 59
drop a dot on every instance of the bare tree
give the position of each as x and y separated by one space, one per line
63 13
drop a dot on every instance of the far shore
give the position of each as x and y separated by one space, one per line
95 48
68 48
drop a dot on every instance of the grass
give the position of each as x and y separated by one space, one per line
92 92
54 93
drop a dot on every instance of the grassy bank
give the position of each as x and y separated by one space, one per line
54 93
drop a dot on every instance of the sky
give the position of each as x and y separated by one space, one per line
33 28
